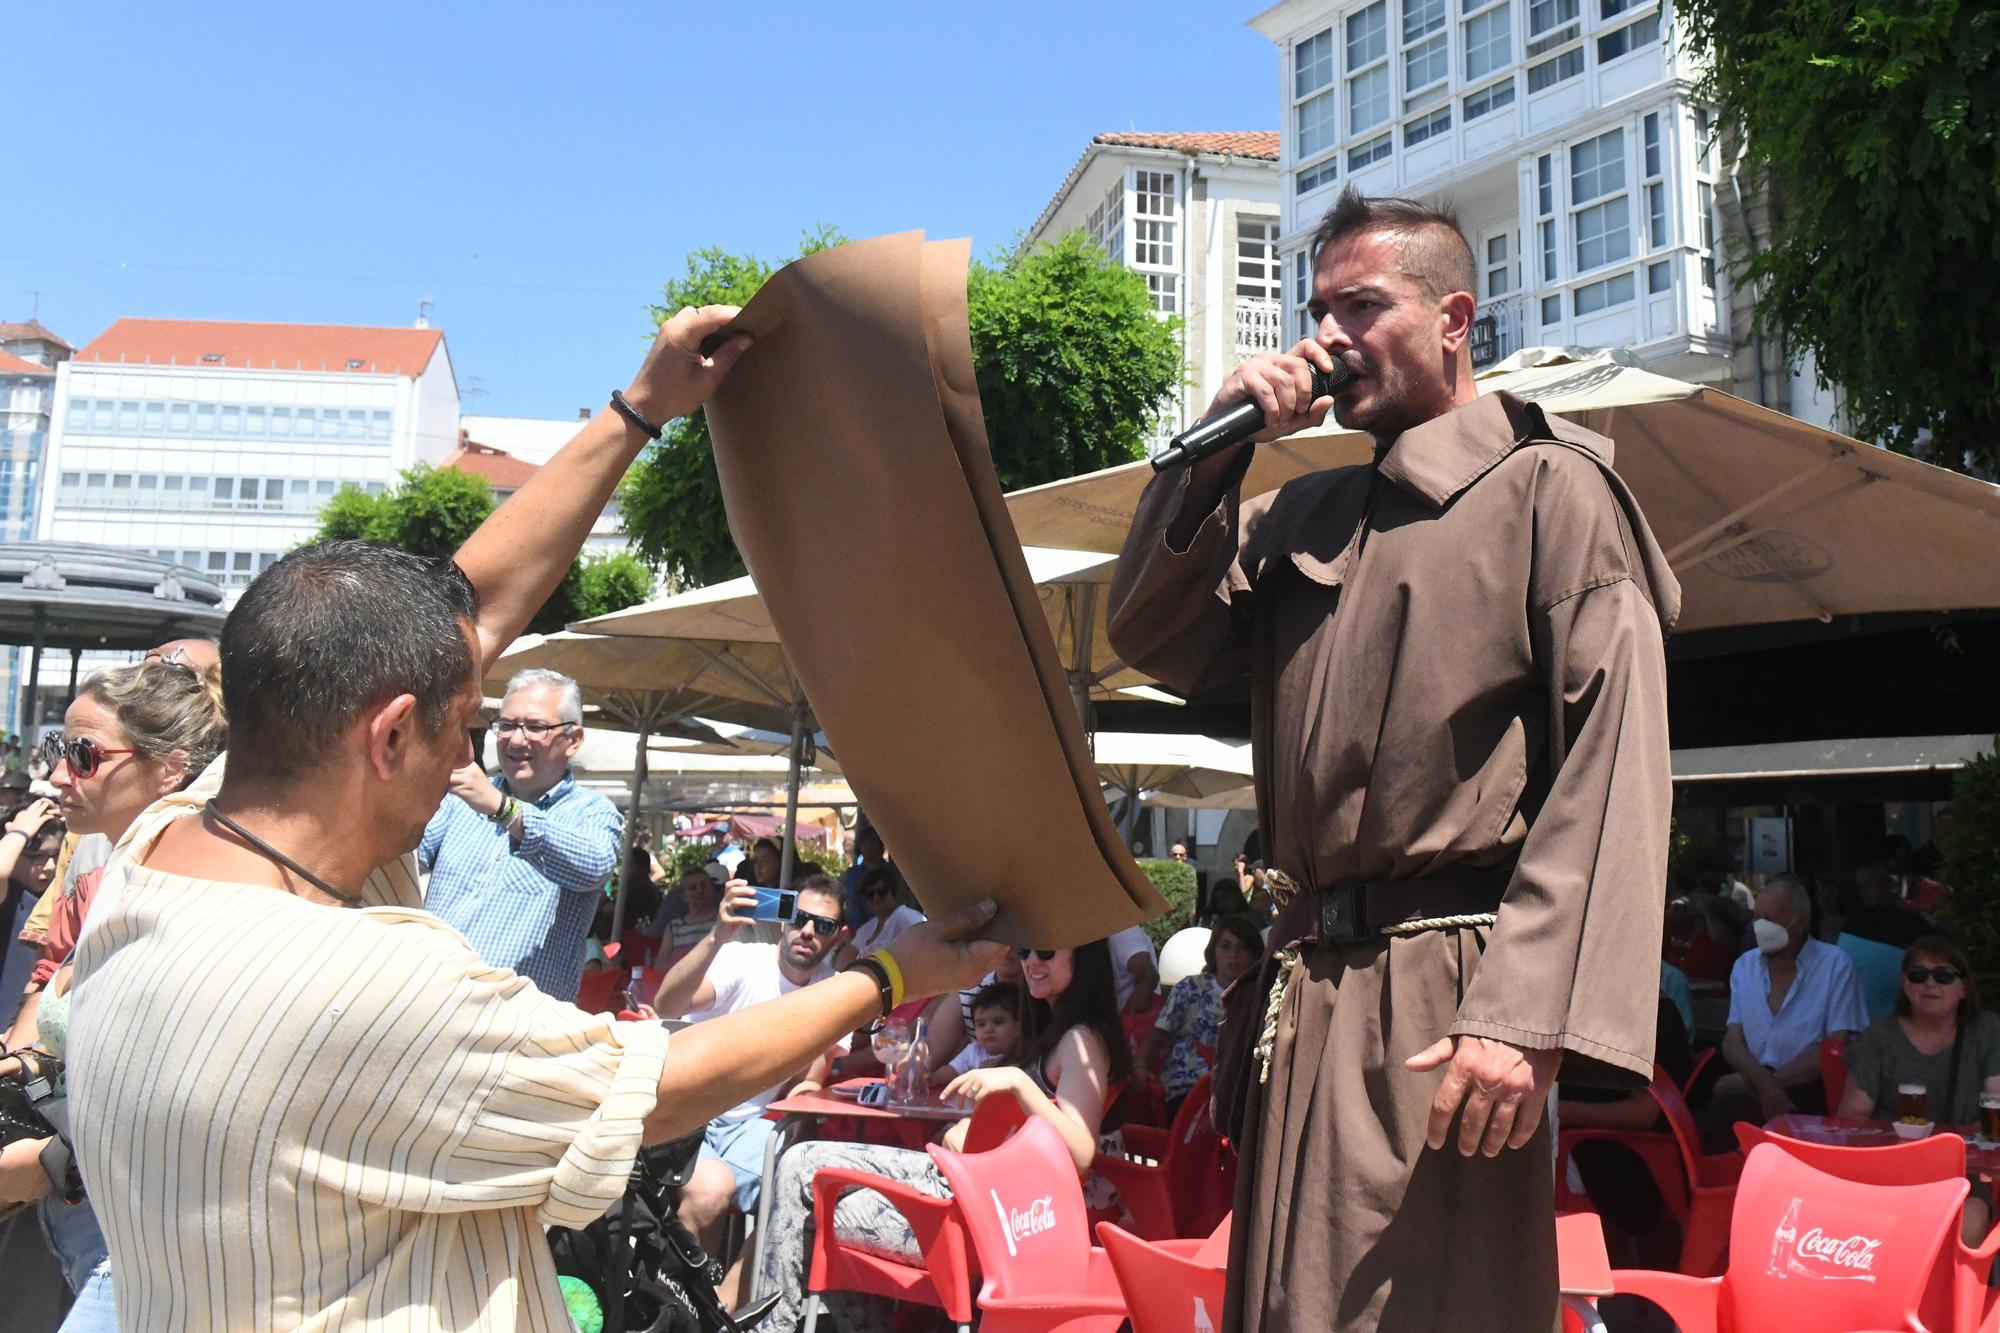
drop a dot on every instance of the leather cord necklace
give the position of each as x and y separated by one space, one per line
259 845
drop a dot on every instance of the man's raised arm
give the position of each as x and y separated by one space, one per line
519 555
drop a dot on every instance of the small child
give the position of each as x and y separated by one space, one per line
996 1031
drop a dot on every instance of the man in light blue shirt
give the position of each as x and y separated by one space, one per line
1785 996
518 863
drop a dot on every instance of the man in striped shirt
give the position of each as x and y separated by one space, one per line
300 1100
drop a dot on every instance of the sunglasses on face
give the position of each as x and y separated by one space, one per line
819 925
1943 976
83 754
1045 955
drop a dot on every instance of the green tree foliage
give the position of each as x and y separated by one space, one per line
1072 363
1072 366
430 511
1176 882
1876 122
1971 911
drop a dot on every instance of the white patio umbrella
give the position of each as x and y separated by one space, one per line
1188 768
1765 518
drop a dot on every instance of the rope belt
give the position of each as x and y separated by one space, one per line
1288 961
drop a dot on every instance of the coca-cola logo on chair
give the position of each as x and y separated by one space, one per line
1017 1224
1825 1250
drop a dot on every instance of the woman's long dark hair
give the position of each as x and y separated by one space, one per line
1089 1001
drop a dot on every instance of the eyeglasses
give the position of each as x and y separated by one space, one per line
83 754
1044 954
507 726
819 925
1943 976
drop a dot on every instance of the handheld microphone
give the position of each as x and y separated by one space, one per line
1238 423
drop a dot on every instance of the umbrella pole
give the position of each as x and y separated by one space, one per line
1082 628
789 846
34 721
631 826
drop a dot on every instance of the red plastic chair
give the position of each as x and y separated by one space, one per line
1177 1182
1941 1157
1833 1072
1699 1188
1815 1252
1023 1207
1702 1060
944 1278
597 993
1583 1270
1170 1286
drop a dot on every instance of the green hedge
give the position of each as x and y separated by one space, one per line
694 855
1971 912
1176 882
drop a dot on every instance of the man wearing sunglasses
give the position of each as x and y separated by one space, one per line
518 862
721 975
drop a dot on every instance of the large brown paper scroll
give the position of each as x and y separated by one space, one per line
860 489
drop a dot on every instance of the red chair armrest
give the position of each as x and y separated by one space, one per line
1689 1301
929 1216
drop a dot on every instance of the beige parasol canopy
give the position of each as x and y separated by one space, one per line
1765 518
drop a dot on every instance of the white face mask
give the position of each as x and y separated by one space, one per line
1771 937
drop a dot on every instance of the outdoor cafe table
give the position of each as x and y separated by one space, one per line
801 1111
1843 1133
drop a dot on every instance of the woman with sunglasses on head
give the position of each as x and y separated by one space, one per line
134 734
1074 1053
1937 1036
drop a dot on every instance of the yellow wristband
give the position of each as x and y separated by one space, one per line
895 970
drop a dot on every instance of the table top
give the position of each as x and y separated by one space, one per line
827 1103
1845 1133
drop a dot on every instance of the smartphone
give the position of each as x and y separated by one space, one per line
774 904
874 1094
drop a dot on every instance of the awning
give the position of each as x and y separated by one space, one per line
1879 756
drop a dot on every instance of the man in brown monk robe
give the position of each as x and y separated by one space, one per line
1459 726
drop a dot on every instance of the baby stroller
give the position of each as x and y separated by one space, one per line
645 1269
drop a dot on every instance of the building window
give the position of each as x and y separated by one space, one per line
1545 212
179 415
1427 127
1314 177
1426 51
1106 225
231 422
1600 211
153 418
1499 265
128 416
1257 258
1316 127
1550 24
1489 99
1628 39
1595 296
254 419
1705 203
104 414
1368 68
306 423
1613 8
1361 155
1552 311
1560 69
1489 40
1155 217
1654 165
281 422
1659 277
1302 293
204 419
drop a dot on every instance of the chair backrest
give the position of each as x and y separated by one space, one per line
1680 1120
1810 1250
993 1123
1912 1162
1023 1205
1164 1293
1878 967
1833 1071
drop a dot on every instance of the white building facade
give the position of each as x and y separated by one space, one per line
1564 132
1198 215
216 444
533 441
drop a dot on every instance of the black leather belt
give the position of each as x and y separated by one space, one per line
1359 912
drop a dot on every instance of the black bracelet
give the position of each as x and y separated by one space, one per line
881 975
631 414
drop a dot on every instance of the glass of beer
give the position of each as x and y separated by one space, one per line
1989 1119
1912 1103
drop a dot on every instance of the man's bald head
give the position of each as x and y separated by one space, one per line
1436 255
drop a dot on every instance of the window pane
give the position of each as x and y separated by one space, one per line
1312 63
253 421
378 426
1372 151
1322 174
1426 64
1656 215
104 414
1603 235
1660 277
307 422
1597 167
1368 35
1596 296
1489 99
1420 17
1368 99
1417 131
128 416
357 425
1318 130
1548 252
1552 310
1628 39
179 415
204 418
232 420
1559 70
1547 15
225 491
1488 42
1545 187
1612 8
281 421
1653 144
153 418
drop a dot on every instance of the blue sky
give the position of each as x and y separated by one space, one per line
538 170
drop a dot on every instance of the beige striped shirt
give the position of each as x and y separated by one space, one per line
298 1116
